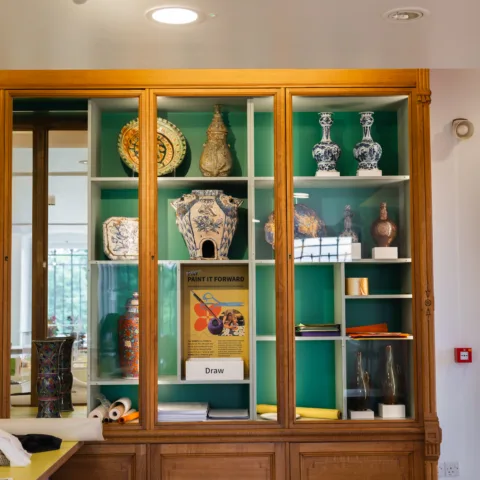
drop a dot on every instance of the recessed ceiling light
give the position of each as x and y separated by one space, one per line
405 14
173 15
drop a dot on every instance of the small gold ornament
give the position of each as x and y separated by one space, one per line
216 159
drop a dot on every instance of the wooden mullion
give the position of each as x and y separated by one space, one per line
148 261
5 249
39 246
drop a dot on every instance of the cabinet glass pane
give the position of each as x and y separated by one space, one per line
113 254
350 287
216 341
21 279
89 251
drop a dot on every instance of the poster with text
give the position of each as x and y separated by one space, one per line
215 320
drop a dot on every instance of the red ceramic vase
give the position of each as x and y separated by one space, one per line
128 339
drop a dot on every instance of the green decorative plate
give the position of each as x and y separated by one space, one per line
171 146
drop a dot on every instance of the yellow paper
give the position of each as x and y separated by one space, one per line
320 413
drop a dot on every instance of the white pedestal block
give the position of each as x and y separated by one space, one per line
356 251
385 253
322 173
369 173
391 411
214 369
361 414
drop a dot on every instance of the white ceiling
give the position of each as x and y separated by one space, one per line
111 34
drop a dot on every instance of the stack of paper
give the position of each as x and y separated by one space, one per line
318 330
182 412
228 414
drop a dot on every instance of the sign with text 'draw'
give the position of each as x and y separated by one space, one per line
214 369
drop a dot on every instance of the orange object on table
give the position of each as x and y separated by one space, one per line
129 418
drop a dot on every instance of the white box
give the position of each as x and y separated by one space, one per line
369 173
384 253
356 251
361 414
391 411
214 369
324 173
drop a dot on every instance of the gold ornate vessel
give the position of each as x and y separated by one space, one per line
216 159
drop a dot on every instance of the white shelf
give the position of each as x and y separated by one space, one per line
399 296
203 262
115 381
174 380
115 183
349 182
363 260
113 262
316 339
273 338
410 337
218 183
337 182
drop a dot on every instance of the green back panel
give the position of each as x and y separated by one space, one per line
373 358
382 279
194 126
369 312
217 395
314 294
264 144
116 284
266 373
114 203
111 164
167 319
265 290
170 242
346 132
329 204
114 392
315 374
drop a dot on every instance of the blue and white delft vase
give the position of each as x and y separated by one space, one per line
367 152
207 220
326 153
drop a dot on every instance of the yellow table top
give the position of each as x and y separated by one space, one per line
43 464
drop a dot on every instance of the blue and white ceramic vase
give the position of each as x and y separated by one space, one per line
367 152
326 153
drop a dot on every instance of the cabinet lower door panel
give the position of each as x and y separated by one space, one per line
218 462
356 461
106 462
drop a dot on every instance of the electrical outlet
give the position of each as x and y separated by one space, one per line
452 469
441 469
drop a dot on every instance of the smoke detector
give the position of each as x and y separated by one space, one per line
405 14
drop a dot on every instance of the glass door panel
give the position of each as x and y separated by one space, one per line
352 281
216 350
85 191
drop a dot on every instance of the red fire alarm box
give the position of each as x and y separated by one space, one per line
463 355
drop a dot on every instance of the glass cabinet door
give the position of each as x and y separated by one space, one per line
216 318
84 277
352 258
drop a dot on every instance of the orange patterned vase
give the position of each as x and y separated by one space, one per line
128 339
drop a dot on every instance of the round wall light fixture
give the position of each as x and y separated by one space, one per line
405 14
173 15
462 128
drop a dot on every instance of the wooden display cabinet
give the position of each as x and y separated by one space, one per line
273 124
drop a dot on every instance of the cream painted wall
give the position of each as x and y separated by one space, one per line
456 230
